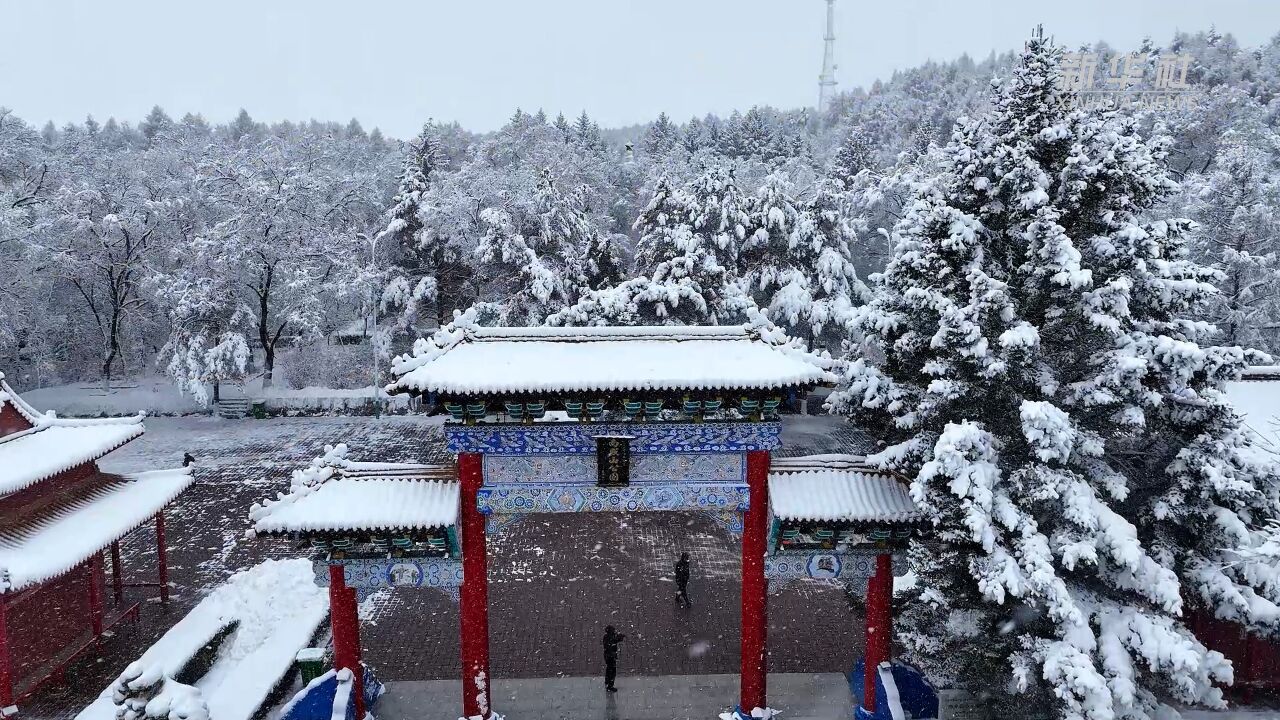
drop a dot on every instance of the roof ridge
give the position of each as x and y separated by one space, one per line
12 397
605 333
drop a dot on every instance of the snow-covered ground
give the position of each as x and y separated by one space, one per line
157 395
1233 714
1259 402
152 395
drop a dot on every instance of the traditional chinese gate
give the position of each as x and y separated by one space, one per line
579 420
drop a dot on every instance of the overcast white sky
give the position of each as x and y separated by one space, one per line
394 64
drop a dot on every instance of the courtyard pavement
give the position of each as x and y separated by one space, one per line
555 581
800 696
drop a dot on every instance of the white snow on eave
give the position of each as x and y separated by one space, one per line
74 533
832 461
31 456
364 504
840 495
54 445
611 365
672 333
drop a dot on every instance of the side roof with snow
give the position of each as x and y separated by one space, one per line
34 447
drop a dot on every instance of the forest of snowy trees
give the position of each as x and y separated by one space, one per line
206 251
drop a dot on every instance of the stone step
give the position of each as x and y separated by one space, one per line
233 408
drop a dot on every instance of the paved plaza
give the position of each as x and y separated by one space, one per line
555 581
804 696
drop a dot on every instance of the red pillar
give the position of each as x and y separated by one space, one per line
6 670
755 617
879 626
117 579
345 621
95 593
473 598
162 558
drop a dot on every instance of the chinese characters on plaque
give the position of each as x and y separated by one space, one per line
1139 79
613 460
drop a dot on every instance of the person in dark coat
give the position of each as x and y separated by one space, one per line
682 580
611 639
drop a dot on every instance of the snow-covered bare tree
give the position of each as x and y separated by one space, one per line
209 323
1046 387
1237 208
291 220
101 224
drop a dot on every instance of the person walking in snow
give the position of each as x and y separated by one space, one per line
682 580
611 639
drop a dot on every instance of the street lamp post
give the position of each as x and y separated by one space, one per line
373 332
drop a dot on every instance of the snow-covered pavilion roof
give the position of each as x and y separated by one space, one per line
335 495
52 444
71 531
837 488
480 360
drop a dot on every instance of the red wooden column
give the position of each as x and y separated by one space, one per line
162 558
6 669
755 617
95 593
879 626
473 598
345 620
117 579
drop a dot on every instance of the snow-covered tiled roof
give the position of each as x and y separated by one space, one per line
55 444
1261 372
837 488
362 505
479 360
334 494
71 532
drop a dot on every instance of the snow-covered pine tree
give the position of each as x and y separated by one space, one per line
694 136
1045 389
429 268
563 231
587 133
758 135
795 263
542 272
562 126
686 254
601 256
155 124
533 288
1237 208
668 209
662 136
853 156
718 215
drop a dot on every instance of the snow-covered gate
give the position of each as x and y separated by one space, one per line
635 419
